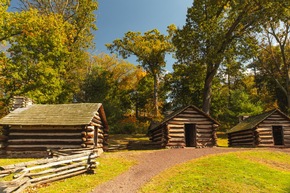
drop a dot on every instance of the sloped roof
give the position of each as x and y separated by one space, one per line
253 121
174 114
60 114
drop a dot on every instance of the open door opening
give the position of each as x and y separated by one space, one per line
190 135
278 135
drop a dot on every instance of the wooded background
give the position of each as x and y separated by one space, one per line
232 59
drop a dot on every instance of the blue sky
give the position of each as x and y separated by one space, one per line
116 17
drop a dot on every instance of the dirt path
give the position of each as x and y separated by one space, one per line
150 164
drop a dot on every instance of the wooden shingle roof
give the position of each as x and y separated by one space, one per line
60 114
253 121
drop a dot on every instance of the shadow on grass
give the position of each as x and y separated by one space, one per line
119 142
287 189
142 145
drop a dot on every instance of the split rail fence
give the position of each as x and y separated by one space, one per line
63 164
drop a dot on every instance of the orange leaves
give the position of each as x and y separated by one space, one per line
127 75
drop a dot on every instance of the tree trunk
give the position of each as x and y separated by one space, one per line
137 106
207 96
229 87
155 95
288 103
211 71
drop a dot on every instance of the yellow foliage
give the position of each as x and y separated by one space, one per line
126 74
129 119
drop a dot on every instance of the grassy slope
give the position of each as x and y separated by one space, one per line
111 165
251 171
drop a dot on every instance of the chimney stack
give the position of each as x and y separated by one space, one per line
20 102
243 117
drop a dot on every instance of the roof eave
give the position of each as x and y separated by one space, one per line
174 114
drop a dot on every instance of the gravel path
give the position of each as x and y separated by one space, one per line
150 164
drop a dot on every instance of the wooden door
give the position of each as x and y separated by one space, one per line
190 135
278 135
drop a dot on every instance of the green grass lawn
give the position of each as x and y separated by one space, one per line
222 139
243 172
8 161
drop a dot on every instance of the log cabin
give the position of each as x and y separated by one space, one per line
187 127
269 129
34 129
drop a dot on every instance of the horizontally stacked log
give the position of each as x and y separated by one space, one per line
46 170
242 138
264 131
33 141
171 133
3 143
88 137
3 140
214 134
102 132
94 135
158 136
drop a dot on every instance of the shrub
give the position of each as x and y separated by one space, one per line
130 125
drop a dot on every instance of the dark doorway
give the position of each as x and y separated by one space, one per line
278 135
190 135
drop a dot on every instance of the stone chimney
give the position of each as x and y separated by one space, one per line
20 102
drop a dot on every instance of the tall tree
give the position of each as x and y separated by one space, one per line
113 82
184 85
150 50
272 60
47 48
79 13
215 30
36 58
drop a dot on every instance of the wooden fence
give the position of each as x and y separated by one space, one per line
63 164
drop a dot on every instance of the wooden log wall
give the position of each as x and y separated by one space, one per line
265 130
3 143
3 140
172 134
242 138
25 141
97 133
39 138
158 136
88 136
205 129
